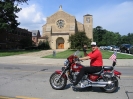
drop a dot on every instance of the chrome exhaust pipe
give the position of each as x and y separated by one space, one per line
94 84
100 83
97 85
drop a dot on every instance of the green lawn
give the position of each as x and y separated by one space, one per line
105 54
13 52
65 54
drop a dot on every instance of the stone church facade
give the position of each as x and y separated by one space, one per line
61 25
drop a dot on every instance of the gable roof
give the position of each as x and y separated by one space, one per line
35 32
61 10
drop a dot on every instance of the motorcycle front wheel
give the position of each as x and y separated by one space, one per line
109 88
57 83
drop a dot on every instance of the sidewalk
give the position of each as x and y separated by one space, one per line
21 59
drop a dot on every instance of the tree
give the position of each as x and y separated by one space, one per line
104 37
78 40
8 10
25 42
130 38
98 34
44 45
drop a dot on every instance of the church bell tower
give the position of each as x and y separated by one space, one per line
88 25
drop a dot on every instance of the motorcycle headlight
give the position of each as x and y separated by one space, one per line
66 63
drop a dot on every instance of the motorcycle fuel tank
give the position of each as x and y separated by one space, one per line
77 67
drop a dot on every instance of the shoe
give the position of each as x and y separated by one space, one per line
74 83
82 85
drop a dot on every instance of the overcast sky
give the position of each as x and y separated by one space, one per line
112 15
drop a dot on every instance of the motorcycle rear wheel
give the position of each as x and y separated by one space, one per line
111 87
57 84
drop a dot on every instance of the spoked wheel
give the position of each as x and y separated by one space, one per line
109 88
57 83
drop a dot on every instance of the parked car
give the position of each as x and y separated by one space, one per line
115 48
111 48
125 48
102 47
131 49
108 48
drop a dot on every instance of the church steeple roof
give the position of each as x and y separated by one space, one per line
87 15
60 8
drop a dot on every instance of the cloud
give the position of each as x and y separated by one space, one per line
116 18
113 17
31 18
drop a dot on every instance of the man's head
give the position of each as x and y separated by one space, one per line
93 46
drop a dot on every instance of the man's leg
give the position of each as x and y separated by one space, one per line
79 76
84 70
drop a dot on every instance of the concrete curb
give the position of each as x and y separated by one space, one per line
56 62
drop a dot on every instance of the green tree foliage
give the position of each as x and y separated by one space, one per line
127 39
25 42
8 10
78 40
104 37
43 45
130 38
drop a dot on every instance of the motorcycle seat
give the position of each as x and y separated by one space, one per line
97 73
107 67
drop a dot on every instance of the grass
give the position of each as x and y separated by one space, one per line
106 54
15 52
63 55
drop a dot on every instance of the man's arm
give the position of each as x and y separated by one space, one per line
85 58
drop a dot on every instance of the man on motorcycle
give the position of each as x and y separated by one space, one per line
96 63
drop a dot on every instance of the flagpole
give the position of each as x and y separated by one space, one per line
113 57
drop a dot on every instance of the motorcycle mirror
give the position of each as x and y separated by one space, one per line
76 53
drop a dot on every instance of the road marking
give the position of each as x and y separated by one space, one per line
2 97
23 97
17 97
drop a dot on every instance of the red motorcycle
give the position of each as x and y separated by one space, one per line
106 79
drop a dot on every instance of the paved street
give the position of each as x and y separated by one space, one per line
27 77
33 81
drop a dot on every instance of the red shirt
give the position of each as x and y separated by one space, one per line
96 58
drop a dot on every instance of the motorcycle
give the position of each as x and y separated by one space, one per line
106 79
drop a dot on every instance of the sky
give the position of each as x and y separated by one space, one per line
112 15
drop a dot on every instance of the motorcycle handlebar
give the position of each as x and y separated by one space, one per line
77 59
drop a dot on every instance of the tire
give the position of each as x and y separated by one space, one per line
112 87
57 85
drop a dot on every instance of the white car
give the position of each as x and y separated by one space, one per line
115 48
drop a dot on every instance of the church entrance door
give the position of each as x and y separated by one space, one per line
60 46
60 43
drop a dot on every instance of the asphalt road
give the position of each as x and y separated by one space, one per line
32 82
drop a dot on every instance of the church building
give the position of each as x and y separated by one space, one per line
61 25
